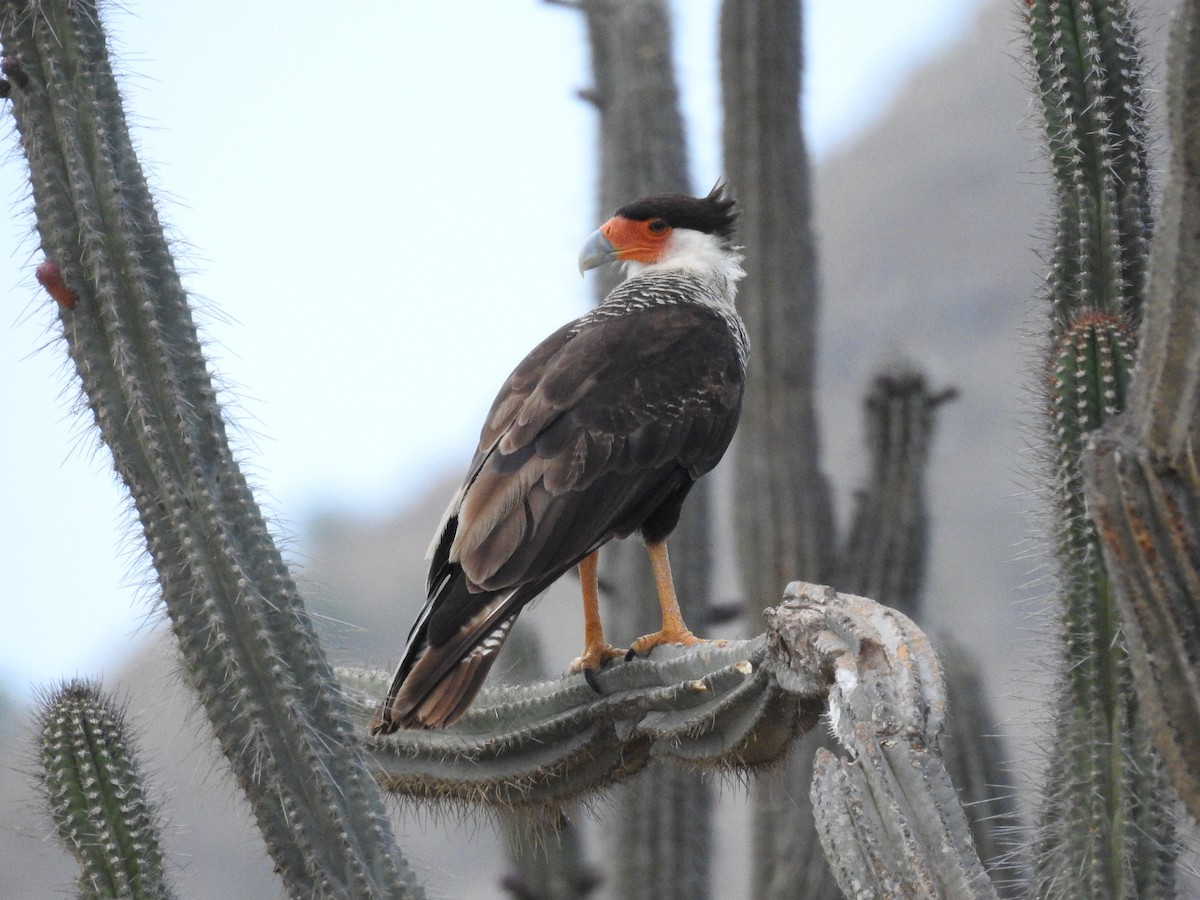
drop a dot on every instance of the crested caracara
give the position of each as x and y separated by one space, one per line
600 432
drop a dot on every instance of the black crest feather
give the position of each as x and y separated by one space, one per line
715 214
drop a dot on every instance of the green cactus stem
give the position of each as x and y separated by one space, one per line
248 647
1088 70
1143 484
93 786
1103 831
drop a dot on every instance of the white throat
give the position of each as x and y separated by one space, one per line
704 254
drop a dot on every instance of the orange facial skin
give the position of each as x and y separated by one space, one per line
642 242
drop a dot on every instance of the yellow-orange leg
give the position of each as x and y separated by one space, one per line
596 650
673 630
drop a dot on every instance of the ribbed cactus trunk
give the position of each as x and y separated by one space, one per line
884 557
94 788
1105 827
662 840
248 647
784 522
1142 477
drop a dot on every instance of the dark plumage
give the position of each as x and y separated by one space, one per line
600 432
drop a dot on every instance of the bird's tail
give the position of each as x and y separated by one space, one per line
439 675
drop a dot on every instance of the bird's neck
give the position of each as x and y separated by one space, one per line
692 254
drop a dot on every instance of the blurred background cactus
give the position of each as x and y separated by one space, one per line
250 651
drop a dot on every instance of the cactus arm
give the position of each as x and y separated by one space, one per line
889 819
92 781
539 745
735 707
885 551
248 648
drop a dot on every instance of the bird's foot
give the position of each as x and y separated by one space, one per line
680 637
592 661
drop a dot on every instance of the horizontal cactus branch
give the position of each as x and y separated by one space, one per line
733 706
544 744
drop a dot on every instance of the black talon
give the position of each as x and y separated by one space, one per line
593 682
630 655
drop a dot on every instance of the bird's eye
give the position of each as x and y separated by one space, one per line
657 226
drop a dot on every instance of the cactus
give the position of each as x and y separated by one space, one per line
1105 829
93 786
1140 469
785 515
248 648
889 819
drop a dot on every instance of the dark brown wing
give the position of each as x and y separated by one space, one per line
586 444
605 423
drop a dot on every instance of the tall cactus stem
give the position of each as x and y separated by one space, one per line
247 645
1103 781
643 150
1143 480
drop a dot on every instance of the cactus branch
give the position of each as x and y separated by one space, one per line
737 707
248 648
889 818
540 745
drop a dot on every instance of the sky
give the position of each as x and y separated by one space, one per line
345 195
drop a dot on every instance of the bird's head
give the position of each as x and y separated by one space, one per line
666 231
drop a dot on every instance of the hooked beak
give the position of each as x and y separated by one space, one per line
597 251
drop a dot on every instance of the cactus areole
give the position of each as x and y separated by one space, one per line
599 433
